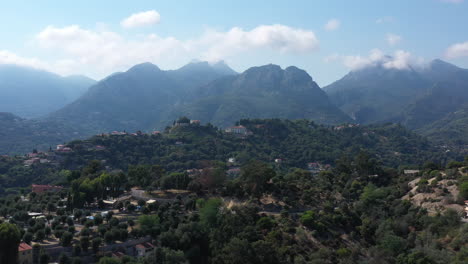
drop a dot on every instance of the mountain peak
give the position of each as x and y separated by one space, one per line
298 74
220 67
268 68
440 65
144 67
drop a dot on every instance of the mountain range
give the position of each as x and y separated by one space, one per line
33 93
146 97
428 99
419 98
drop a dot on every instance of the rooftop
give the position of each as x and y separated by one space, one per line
23 246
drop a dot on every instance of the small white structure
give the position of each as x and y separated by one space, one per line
411 172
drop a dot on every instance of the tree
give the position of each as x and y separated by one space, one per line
175 180
10 238
255 176
96 244
84 242
209 211
109 237
108 260
44 258
149 224
28 237
64 259
40 235
66 239
464 190
76 250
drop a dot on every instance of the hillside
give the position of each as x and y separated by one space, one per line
206 196
20 136
29 92
262 92
452 128
296 143
438 190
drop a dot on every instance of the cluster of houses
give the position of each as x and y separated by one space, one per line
182 123
37 158
124 133
63 148
345 126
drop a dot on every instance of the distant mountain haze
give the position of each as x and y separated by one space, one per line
32 93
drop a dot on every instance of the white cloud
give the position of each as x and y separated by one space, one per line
393 39
141 19
400 60
332 24
275 37
106 51
457 50
386 19
8 57
64 67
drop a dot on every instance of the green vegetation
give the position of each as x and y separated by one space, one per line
353 211
9 241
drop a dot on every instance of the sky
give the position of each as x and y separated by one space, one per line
325 38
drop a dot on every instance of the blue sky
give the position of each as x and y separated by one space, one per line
90 37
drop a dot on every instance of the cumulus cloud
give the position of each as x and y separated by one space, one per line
393 39
275 37
141 19
332 24
400 60
106 51
457 50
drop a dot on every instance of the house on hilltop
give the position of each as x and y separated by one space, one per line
25 254
239 130
144 249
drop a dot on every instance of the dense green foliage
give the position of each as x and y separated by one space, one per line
9 241
270 212
296 142
451 129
